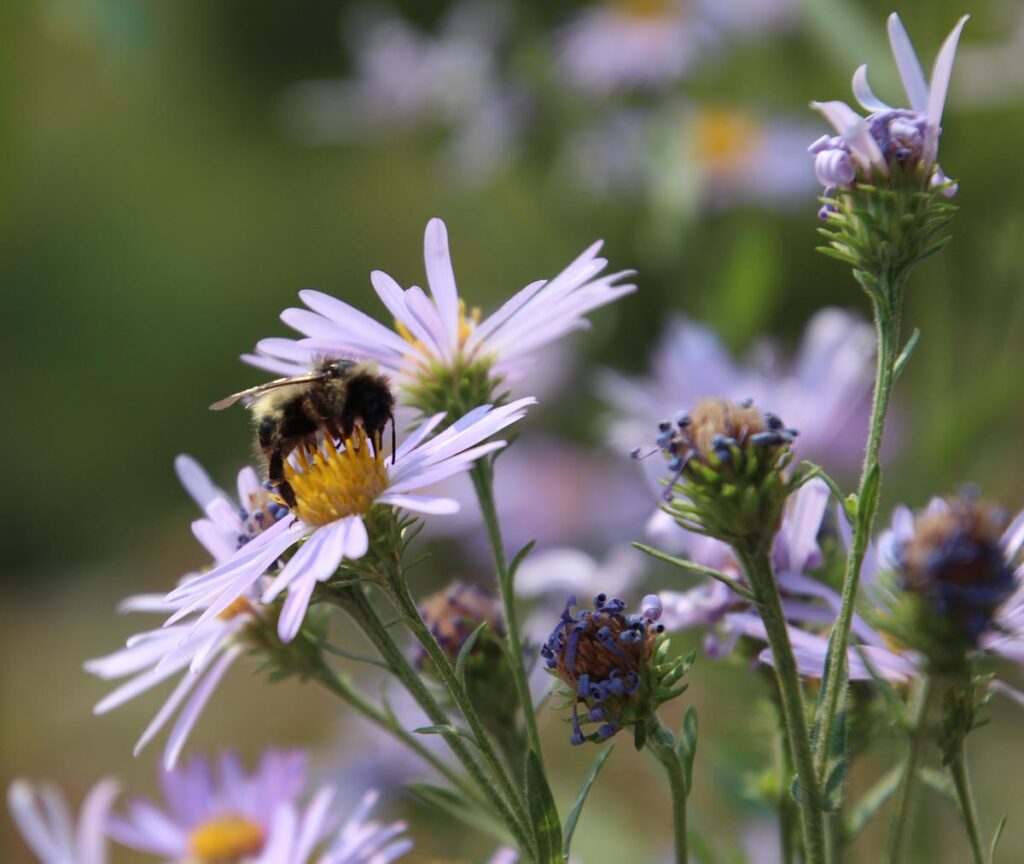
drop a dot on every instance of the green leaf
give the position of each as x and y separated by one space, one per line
451 802
908 349
517 559
699 569
543 813
995 840
869 497
688 745
872 802
938 781
581 798
446 730
465 651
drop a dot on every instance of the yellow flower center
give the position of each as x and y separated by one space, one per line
722 138
645 8
467 324
238 607
225 839
330 484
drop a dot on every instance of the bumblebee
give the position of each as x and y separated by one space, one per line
335 397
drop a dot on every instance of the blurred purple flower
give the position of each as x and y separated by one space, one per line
204 653
256 818
343 485
436 332
876 654
889 135
43 818
824 392
406 79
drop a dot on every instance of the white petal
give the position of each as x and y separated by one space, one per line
941 72
854 130
91 842
422 503
196 481
190 713
863 93
910 68
441 278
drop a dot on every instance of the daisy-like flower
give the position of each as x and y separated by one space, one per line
871 147
967 572
442 354
45 822
259 818
336 486
824 391
796 553
206 653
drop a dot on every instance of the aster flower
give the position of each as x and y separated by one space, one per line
824 391
407 80
613 664
442 356
871 147
204 653
257 818
955 571
336 487
43 818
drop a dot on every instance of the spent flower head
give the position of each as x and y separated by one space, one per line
615 666
444 356
727 462
340 488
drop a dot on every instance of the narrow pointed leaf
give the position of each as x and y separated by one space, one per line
688 746
581 799
543 813
465 651
451 802
995 840
872 802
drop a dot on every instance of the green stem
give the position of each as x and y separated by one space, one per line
354 601
483 481
342 687
887 328
662 745
757 566
398 592
921 702
965 798
787 810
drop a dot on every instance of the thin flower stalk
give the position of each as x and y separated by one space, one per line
482 475
922 701
757 567
662 745
965 801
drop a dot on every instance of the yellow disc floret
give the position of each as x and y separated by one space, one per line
332 483
225 839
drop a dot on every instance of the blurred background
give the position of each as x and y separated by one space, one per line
172 174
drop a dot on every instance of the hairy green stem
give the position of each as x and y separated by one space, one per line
786 805
399 594
355 602
965 799
757 566
887 328
483 481
662 745
920 704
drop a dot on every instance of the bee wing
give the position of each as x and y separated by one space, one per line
228 401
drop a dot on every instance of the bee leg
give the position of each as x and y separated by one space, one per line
394 446
275 474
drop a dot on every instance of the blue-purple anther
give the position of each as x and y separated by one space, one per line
604 656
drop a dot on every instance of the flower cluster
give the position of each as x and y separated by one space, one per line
613 664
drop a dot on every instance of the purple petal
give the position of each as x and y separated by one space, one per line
863 93
909 67
441 278
941 72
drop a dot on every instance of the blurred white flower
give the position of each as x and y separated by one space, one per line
45 822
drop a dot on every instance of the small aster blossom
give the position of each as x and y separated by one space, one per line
336 486
871 148
407 80
45 822
633 43
213 816
796 553
614 665
946 557
824 391
440 351
203 654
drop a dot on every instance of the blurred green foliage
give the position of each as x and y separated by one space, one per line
154 220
